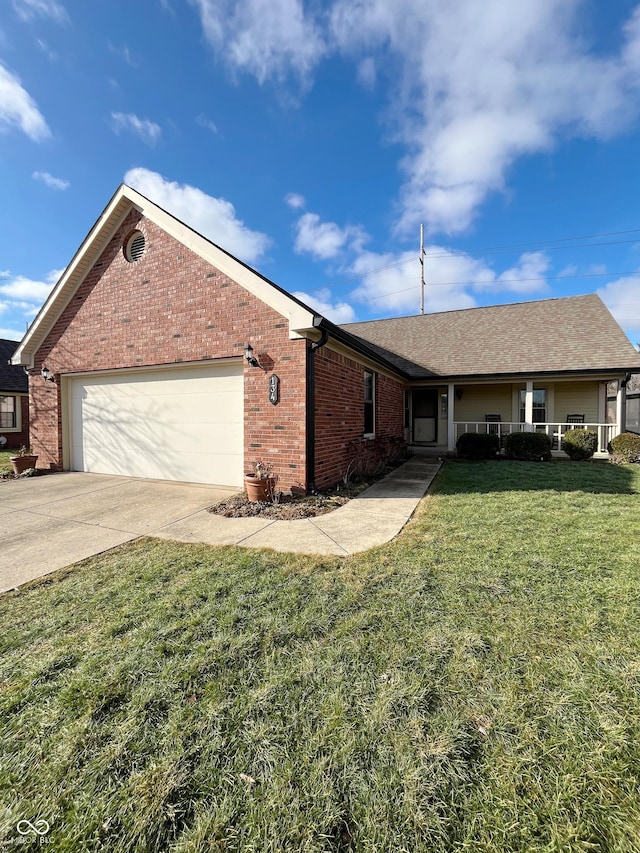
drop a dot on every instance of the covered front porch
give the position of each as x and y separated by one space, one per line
436 415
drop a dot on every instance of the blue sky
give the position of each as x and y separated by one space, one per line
312 139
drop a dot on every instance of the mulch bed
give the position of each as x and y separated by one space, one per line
289 507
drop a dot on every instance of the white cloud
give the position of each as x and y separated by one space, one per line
203 121
51 55
148 131
29 9
18 108
125 52
391 282
23 297
50 181
326 240
295 201
214 218
528 275
320 300
11 334
482 85
472 87
367 74
268 38
622 298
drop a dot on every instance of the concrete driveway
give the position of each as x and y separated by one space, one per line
52 521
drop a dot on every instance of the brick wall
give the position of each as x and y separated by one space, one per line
171 306
339 384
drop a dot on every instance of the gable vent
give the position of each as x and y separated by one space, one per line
134 248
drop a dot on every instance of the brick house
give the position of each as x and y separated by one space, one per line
14 399
171 359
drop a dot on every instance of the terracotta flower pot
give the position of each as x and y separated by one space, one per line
259 488
21 463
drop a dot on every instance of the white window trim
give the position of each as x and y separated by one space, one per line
18 426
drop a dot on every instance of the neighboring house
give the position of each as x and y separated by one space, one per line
146 337
14 398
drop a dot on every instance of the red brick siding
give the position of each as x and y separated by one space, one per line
389 407
339 402
18 439
171 306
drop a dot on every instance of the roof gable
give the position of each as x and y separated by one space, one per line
125 199
575 333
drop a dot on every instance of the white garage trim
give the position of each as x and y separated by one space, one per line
181 422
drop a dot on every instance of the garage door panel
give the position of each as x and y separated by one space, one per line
173 424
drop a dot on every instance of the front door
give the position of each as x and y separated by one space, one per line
425 415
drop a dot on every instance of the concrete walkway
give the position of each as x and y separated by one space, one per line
373 518
47 523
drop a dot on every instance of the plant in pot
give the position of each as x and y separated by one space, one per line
24 460
260 483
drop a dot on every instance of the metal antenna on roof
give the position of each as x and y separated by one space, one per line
422 269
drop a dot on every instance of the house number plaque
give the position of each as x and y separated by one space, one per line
274 388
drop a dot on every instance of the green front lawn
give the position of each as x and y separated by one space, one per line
5 464
473 686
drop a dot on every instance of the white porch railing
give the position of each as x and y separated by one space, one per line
555 431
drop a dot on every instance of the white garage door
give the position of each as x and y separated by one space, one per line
168 424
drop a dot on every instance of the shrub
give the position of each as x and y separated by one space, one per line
625 448
580 444
478 445
528 446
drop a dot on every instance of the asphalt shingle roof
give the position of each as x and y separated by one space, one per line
11 378
575 333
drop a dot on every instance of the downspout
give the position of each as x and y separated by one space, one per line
311 408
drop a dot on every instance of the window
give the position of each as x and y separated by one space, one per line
369 402
8 413
539 405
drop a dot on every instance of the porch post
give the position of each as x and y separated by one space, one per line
451 436
528 406
621 398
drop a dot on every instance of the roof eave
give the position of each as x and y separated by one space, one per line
609 372
87 254
358 346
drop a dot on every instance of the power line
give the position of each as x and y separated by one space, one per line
543 248
489 283
498 282
501 249
555 240
371 272
390 293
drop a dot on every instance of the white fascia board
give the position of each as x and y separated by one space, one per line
124 199
72 277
